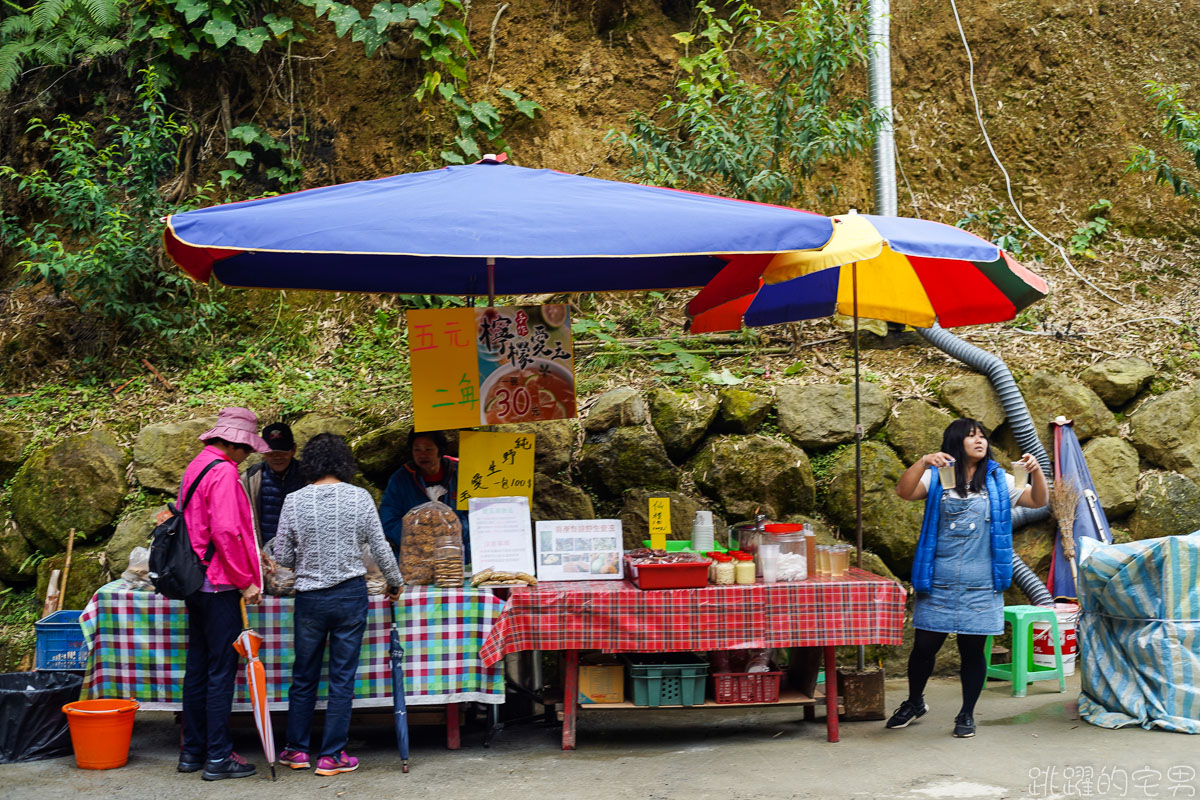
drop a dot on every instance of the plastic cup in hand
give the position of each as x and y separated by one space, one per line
768 557
1020 476
946 475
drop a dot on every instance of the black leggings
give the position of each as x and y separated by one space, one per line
924 654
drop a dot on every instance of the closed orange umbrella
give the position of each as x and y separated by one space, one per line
247 644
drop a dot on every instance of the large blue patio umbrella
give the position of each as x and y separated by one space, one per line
483 229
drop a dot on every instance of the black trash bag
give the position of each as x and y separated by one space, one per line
32 723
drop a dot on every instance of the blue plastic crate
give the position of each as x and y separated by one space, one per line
60 644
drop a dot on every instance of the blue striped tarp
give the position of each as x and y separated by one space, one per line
1139 633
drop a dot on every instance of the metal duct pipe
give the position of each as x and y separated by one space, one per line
1023 429
880 69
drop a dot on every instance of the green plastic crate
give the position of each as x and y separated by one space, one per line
666 679
679 545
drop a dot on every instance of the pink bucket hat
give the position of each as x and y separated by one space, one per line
237 426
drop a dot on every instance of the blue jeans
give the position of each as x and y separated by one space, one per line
214 621
338 614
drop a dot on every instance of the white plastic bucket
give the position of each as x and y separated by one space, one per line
1043 647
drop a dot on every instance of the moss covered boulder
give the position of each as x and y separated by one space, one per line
627 458
618 408
89 571
13 441
1113 463
1166 431
681 419
133 530
635 516
556 499
553 443
740 411
822 415
891 526
77 483
915 428
310 425
1049 394
745 473
1168 504
1118 380
973 397
162 452
381 451
14 554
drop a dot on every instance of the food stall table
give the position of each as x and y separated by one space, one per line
138 643
616 617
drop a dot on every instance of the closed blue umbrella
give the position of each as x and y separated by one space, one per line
399 704
1090 522
481 229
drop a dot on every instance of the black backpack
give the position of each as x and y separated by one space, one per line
174 568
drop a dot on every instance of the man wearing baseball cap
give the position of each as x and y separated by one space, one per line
267 483
221 530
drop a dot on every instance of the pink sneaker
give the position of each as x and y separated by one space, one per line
328 765
296 759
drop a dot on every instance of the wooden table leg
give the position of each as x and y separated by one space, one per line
453 740
831 695
570 697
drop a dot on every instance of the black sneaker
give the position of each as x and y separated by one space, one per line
964 726
907 712
190 763
233 767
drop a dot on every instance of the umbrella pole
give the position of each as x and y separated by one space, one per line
858 522
491 272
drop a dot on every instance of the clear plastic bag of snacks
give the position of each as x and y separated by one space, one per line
422 529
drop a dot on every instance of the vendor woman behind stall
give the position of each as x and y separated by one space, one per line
428 466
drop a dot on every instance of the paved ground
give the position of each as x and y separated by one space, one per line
1032 747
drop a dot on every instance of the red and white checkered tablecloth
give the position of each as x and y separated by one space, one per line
615 616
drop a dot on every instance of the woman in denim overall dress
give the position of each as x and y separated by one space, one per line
963 562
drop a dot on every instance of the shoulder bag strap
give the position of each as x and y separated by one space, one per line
210 550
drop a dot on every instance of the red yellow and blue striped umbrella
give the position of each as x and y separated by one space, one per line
897 269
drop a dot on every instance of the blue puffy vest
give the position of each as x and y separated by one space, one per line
1001 531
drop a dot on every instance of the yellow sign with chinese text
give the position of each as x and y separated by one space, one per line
494 465
660 522
444 364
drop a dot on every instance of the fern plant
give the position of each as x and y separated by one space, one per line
58 33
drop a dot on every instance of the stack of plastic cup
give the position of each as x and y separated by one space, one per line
702 532
768 557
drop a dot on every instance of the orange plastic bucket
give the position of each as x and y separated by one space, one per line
100 731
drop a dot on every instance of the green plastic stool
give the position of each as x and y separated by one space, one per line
1022 671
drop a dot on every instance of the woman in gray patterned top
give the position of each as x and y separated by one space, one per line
322 530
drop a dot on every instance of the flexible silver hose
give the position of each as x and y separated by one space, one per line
880 71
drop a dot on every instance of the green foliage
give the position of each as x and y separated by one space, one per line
1181 127
187 28
100 245
19 610
446 49
1092 230
994 225
263 149
57 33
757 130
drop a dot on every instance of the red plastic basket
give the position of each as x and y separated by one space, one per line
746 687
681 575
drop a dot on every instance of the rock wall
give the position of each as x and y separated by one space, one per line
787 453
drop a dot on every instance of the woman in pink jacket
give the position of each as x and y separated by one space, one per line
221 529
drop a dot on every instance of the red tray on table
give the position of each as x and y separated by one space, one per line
680 575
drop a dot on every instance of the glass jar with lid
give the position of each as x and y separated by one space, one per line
744 573
725 571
